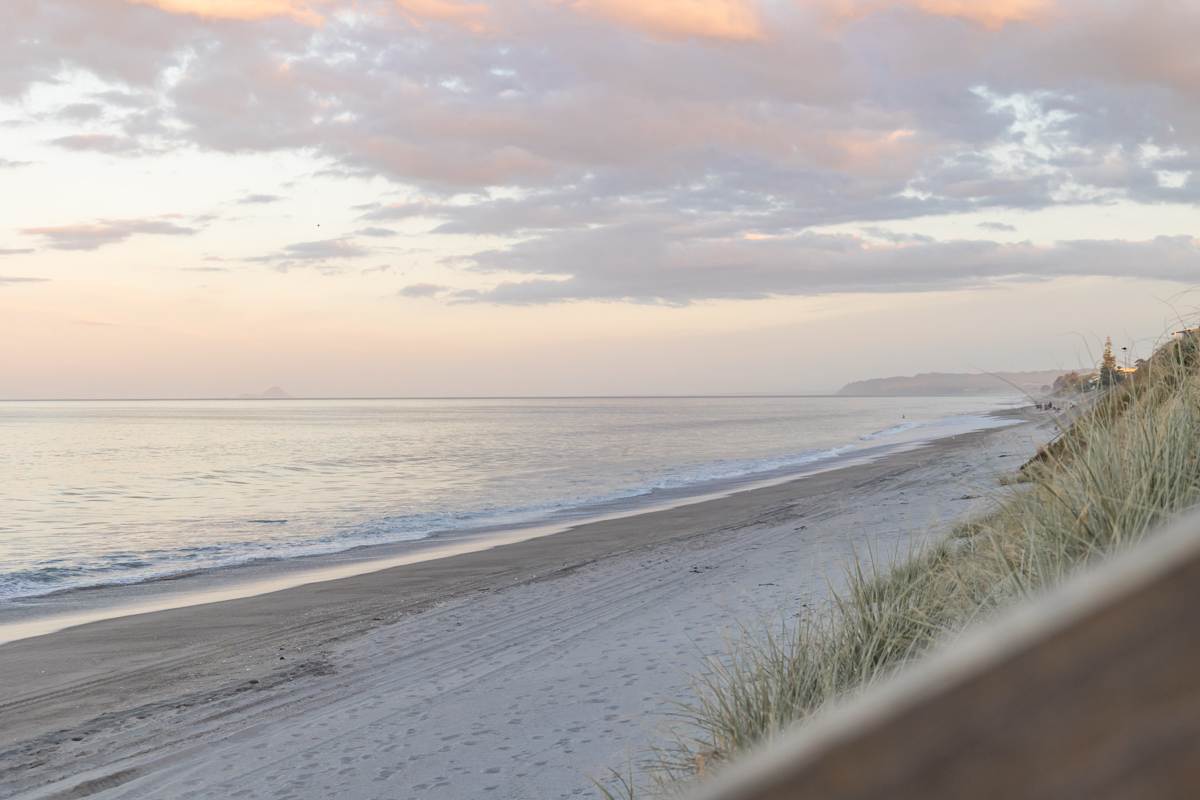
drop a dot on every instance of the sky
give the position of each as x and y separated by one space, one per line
573 197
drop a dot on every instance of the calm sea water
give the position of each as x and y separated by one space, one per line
95 493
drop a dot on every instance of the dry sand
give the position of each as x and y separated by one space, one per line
516 672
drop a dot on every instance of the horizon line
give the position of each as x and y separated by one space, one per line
732 395
410 397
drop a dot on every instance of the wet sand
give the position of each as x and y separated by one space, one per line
512 672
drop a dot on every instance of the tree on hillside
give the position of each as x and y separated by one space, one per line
1069 382
1108 364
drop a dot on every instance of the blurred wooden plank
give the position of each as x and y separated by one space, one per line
1091 692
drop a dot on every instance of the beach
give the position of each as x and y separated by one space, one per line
512 672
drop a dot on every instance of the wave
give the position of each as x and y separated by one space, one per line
892 431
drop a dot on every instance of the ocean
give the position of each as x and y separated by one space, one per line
96 493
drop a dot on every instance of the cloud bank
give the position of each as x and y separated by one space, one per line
657 151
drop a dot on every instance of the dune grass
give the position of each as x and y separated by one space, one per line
1122 468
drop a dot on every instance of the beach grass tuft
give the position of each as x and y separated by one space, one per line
1128 463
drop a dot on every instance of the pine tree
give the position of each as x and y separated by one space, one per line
1108 364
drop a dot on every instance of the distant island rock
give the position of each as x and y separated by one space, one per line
274 393
953 383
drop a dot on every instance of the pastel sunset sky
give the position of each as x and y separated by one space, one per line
476 197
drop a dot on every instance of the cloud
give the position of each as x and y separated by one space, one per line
735 20
259 199
99 143
992 14
12 280
6 163
91 236
317 254
1003 227
419 290
378 233
305 11
324 250
15 251
641 265
392 212
470 16
81 112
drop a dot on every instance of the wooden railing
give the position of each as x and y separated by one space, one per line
1090 692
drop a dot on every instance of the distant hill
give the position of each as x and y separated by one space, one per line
952 383
274 393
